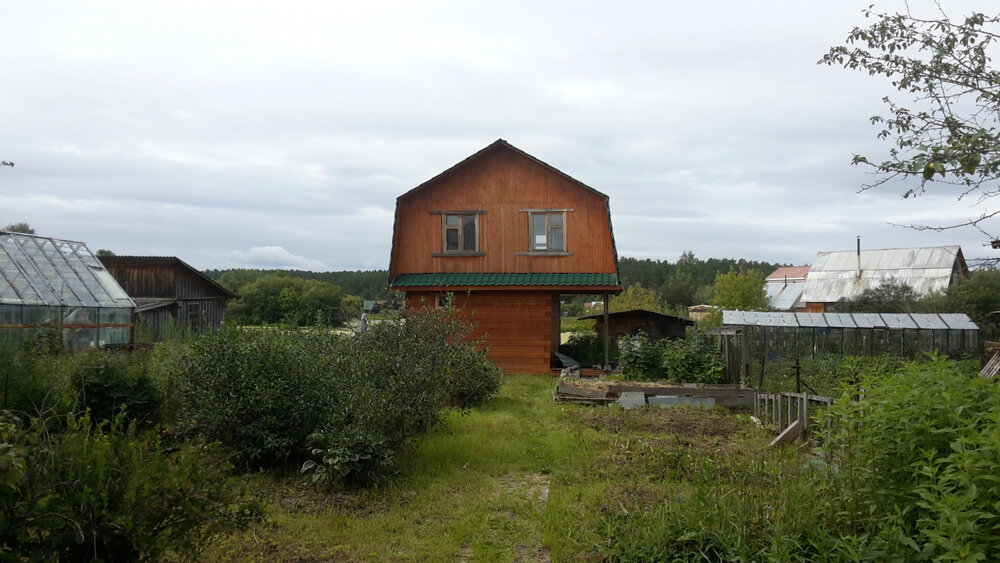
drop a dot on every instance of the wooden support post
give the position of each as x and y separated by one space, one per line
798 375
607 334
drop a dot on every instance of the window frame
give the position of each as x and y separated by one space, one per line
532 235
460 230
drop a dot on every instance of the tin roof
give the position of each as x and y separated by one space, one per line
784 297
477 279
892 321
52 272
835 275
791 273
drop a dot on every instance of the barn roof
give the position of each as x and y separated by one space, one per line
835 275
164 262
44 271
639 313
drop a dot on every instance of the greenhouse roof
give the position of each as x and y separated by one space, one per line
892 321
51 272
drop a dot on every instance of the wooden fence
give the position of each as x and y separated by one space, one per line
784 408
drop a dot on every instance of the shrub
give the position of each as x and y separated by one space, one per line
106 491
916 462
107 382
34 382
260 392
588 349
349 401
686 360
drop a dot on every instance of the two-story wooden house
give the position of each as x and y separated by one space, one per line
505 234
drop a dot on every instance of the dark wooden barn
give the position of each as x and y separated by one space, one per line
169 293
653 325
506 234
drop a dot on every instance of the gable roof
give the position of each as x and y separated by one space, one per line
495 146
499 145
835 275
44 271
164 262
447 280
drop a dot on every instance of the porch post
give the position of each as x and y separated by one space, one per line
607 334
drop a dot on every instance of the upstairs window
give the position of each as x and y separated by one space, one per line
459 233
547 231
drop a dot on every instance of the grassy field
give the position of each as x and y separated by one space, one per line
525 479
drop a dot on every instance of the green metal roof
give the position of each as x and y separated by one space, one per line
454 280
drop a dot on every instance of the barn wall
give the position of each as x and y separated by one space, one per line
520 328
502 183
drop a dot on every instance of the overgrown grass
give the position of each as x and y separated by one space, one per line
523 478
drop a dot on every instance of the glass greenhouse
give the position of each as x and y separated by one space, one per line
777 336
48 284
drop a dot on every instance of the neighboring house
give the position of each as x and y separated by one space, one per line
48 283
170 293
784 288
654 325
846 274
700 312
505 234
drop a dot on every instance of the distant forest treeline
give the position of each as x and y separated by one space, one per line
366 284
679 281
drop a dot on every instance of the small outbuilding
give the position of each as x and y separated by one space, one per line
656 326
170 293
54 284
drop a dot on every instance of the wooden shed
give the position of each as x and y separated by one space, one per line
654 325
168 292
505 234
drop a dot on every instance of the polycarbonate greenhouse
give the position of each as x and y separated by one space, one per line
775 336
48 284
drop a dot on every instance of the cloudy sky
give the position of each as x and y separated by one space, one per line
278 134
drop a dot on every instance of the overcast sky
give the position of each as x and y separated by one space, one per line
279 134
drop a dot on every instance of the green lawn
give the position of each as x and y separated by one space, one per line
524 479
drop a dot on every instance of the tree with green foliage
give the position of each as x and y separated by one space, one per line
889 297
950 133
977 296
741 289
20 227
636 296
277 298
680 287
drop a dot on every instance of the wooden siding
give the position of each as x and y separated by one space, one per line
521 330
148 279
502 183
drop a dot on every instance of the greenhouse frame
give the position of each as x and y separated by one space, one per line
54 284
769 336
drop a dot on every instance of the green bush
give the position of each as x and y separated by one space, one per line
685 360
588 349
34 383
916 462
107 382
260 392
281 396
106 491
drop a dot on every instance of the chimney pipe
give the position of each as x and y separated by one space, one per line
859 256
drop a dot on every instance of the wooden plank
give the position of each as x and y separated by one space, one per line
574 391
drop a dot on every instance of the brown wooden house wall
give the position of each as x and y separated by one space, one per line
521 328
502 183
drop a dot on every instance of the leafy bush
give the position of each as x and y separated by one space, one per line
350 401
34 382
642 359
588 349
106 491
686 360
692 360
917 459
260 392
107 382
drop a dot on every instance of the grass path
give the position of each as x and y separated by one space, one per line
524 479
